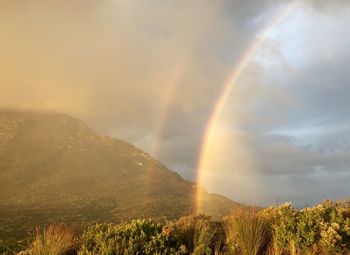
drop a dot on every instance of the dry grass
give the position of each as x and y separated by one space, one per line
54 240
247 233
203 237
195 232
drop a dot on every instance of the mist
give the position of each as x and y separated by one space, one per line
150 72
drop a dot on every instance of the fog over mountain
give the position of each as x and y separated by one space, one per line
150 73
54 168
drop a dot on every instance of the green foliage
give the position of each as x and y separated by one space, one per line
137 237
282 230
324 228
10 247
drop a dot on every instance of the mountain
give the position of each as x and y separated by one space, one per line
54 168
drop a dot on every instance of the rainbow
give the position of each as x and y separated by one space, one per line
170 90
237 71
168 100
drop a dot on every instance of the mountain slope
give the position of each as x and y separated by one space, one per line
53 168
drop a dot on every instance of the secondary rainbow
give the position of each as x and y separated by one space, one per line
231 82
170 89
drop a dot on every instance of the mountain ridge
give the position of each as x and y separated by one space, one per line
54 168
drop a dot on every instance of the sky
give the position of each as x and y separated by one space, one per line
151 72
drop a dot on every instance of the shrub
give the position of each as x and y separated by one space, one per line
324 228
137 237
282 230
247 233
10 247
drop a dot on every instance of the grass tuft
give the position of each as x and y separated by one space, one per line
247 233
53 240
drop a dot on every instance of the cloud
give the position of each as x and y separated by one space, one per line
330 7
150 72
291 123
113 63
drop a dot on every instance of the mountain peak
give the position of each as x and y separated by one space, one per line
53 166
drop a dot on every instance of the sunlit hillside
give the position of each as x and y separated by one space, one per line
54 169
174 127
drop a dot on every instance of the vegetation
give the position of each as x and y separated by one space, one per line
247 233
13 246
55 239
323 229
284 230
195 234
137 237
54 168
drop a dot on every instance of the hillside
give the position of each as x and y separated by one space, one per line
54 168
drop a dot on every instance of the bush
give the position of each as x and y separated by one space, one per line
137 237
10 247
324 228
282 230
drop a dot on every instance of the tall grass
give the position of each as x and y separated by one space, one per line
196 233
247 233
54 240
203 236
